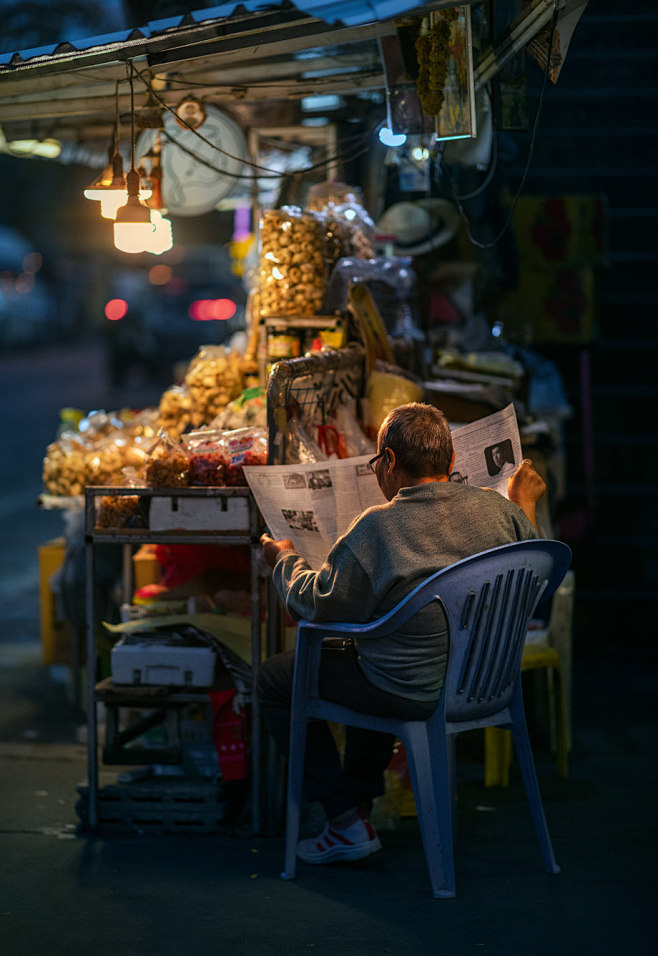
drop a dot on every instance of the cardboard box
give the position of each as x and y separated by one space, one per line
164 658
222 513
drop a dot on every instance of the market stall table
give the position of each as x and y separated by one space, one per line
236 521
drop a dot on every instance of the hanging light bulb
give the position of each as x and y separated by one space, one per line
109 188
133 229
162 239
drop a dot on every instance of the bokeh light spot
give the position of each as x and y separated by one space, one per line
32 262
207 310
159 275
115 309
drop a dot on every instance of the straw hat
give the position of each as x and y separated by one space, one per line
419 226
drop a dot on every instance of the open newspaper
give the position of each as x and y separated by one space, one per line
315 502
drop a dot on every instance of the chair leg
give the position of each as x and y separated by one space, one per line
294 796
529 775
429 767
452 783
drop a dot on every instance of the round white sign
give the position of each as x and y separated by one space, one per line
195 176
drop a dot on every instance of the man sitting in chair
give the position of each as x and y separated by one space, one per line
427 524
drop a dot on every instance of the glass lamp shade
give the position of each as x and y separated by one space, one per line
101 184
133 229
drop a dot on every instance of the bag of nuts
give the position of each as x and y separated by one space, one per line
174 410
292 263
213 379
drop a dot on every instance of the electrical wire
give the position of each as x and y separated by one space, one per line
531 148
345 155
271 174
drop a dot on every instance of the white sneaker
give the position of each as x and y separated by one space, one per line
349 843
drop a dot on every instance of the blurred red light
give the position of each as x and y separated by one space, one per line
207 310
115 309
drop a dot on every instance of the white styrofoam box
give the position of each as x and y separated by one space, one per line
164 658
222 513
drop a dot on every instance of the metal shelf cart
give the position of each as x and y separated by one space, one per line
243 529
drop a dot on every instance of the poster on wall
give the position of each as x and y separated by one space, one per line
562 242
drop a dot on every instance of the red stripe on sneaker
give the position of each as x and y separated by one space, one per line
339 837
371 832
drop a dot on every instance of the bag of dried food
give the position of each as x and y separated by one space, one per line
175 410
121 511
213 379
168 465
240 447
217 457
292 263
204 453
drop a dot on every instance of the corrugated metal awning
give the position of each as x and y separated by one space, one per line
232 52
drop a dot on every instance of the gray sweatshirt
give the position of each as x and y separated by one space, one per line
383 555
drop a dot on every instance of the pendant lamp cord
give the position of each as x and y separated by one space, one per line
130 68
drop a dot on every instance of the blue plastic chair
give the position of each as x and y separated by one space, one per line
488 600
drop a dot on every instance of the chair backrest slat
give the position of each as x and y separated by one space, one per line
499 675
488 626
491 638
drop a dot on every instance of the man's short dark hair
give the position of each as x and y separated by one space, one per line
419 435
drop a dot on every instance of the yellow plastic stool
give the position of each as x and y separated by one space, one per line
498 742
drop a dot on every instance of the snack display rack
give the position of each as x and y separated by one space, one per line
240 525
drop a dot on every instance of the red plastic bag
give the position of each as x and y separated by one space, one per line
230 734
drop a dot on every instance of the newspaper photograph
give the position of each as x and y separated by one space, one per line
315 502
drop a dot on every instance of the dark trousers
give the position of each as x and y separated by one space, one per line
359 779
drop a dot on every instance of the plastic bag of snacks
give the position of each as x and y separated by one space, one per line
175 410
204 453
168 465
117 511
344 204
213 379
217 458
240 447
64 466
121 511
292 263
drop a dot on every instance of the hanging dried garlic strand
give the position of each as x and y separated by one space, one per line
433 52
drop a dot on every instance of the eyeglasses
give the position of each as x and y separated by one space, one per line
371 463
